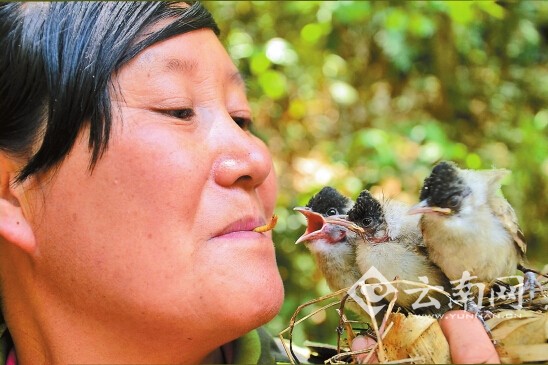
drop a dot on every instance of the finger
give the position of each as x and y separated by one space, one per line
468 341
362 343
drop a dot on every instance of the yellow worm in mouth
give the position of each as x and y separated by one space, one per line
267 227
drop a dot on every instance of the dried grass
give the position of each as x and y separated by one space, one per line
519 333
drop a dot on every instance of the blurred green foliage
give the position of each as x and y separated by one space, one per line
371 94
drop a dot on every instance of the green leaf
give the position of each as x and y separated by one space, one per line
311 33
240 44
491 8
273 84
352 12
396 19
259 63
461 11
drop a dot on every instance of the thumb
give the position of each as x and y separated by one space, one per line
362 343
468 341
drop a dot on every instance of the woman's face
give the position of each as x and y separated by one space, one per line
160 232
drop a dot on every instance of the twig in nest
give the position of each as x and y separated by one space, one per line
343 322
378 347
513 297
292 323
414 360
335 359
391 327
381 353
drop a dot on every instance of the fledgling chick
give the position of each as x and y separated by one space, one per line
333 252
467 224
393 245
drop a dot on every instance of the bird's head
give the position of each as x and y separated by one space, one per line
443 192
368 214
329 202
324 207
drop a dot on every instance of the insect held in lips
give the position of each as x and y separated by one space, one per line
267 227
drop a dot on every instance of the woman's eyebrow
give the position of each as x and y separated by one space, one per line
237 78
190 66
180 65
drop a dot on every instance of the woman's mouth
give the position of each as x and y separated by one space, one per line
244 225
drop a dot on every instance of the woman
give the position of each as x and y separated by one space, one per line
130 185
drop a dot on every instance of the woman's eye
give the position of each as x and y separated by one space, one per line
244 123
184 114
332 211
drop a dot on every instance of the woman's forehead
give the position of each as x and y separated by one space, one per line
188 54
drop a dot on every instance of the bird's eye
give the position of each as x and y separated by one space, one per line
454 201
367 221
332 211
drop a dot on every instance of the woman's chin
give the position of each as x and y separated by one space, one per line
258 304
271 302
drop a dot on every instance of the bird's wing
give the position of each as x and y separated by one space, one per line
505 213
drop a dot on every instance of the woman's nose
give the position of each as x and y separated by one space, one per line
243 160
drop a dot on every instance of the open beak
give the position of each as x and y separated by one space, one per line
320 227
315 223
424 208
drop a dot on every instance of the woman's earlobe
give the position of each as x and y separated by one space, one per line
15 228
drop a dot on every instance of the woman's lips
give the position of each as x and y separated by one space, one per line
244 225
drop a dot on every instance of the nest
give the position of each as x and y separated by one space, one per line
518 328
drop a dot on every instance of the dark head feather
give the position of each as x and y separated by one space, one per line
444 181
326 199
367 212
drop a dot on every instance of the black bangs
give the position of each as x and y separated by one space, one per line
56 72
182 17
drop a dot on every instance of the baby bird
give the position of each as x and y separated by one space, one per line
335 255
392 243
468 225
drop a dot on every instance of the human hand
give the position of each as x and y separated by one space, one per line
362 343
468 341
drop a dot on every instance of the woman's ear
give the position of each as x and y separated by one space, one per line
15 228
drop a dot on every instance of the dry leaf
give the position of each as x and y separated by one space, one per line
521 335
416 337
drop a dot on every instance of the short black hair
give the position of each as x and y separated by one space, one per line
56 67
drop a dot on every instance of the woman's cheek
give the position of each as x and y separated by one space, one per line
268 192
